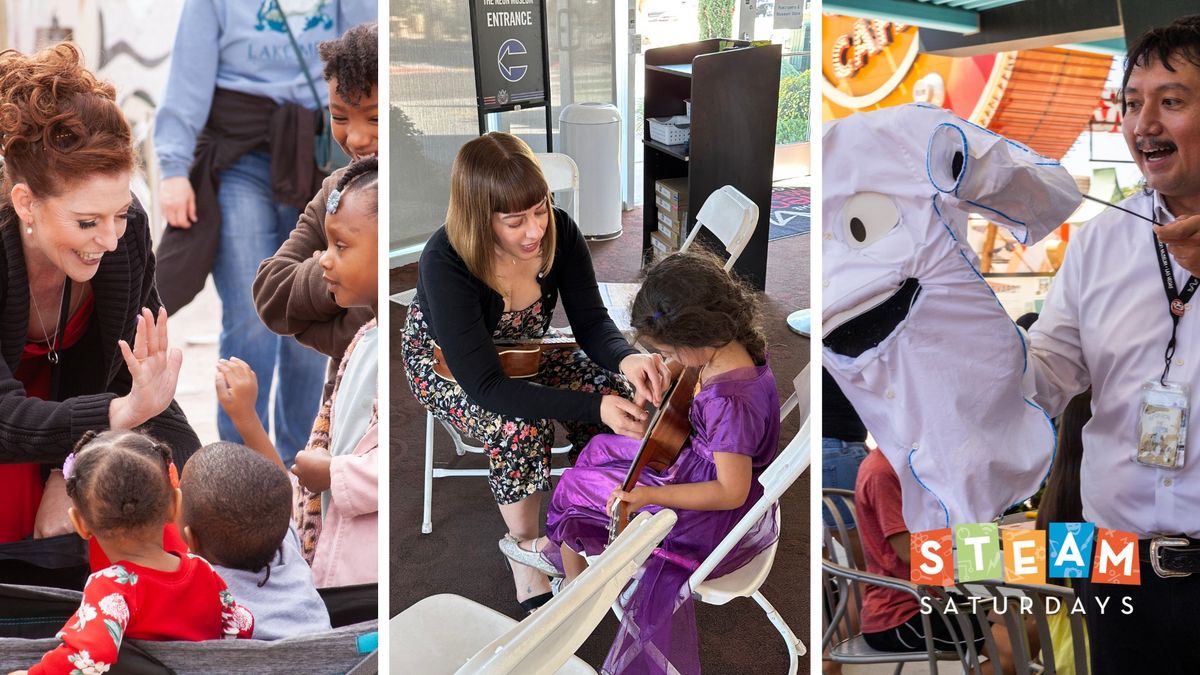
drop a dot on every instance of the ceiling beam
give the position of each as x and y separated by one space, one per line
1032 24
1029 25
921 14
1113 47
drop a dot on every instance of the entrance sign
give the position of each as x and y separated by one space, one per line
512 70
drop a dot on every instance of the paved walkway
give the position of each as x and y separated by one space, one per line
195 329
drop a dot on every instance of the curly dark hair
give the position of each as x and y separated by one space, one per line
238 504
352 60
1180 38
58 122
688 300
120 482
361 175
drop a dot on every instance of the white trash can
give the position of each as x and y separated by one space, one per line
590 134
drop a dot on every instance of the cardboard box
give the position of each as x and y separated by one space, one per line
674 190
672 228
676 218
668 230
661 245
673 209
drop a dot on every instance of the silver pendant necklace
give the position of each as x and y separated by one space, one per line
52 342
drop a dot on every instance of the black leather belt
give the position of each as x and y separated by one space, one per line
1172 556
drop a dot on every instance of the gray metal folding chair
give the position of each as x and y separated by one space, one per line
844 575
1028 602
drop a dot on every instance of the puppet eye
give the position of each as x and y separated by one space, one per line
867 218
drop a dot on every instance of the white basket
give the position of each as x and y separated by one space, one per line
670 130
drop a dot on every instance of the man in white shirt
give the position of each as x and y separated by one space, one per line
1119 319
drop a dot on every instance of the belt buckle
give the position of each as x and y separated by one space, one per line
1159 543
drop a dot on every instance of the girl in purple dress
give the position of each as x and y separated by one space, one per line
691 311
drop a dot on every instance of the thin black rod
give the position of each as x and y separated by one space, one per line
1121 208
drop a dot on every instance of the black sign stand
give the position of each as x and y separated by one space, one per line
488 66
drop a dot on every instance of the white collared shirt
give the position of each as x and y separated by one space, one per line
1106 324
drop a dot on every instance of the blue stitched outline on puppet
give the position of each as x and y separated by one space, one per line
939 214
913 471
1020 338
1015 144
1053 450
1024 368
1024 350
966 146
950 230
1025 239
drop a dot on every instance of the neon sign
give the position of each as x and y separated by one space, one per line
869 37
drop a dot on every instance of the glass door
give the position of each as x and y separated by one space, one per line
646 24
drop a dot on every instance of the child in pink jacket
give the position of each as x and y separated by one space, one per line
338 471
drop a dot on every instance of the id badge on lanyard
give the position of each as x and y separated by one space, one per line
1162 425
1163 414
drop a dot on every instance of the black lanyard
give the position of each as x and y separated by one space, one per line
1177 301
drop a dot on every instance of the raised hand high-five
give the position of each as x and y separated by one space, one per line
154 368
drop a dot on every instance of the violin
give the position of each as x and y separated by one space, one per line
519 359
665 435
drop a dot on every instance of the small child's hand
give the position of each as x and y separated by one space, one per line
237 388
634 498
312 469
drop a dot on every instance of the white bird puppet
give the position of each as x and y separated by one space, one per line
912 333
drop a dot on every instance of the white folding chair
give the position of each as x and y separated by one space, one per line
451 634
461 447
562 174
727 213
800 395
731 216
746 581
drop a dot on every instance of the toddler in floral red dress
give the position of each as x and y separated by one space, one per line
121 495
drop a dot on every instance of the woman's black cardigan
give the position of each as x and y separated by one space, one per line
462 312
91 373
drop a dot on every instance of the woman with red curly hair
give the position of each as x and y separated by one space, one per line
83 336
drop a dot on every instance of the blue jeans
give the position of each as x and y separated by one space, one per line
839 469
253 226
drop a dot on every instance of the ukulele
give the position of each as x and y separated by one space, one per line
665 435
518 358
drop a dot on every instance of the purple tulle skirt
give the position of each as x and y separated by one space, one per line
658 632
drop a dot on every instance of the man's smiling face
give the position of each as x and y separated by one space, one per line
1161 125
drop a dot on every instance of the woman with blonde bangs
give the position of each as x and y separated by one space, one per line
495 271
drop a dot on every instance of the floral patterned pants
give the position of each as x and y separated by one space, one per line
518 449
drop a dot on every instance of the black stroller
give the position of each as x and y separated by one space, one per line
31 615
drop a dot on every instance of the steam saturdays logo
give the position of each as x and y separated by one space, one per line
1072 550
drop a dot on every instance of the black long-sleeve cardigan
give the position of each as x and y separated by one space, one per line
91 373
462 312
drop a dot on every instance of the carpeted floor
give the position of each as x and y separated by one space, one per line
460 555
